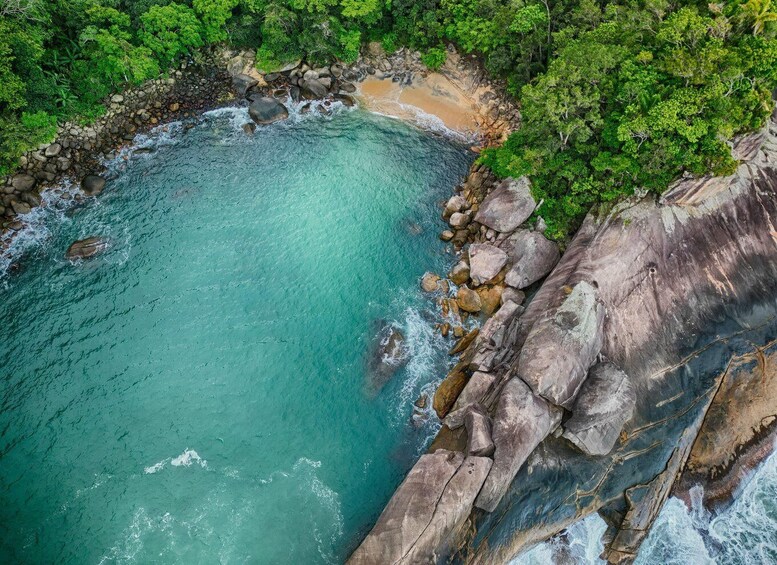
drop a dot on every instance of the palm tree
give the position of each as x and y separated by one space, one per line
760 11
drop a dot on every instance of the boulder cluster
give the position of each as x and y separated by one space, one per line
496 404
78 150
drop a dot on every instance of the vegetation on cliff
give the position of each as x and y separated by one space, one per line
615 96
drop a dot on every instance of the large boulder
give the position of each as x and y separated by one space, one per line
522 421
92 185
267 110
508 206
533 257
485 262
85 248
562 346
313 89
474 392
243 83
478 424
459 273
427 510
468 300
604 404
23 182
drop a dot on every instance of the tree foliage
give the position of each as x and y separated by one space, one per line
616 97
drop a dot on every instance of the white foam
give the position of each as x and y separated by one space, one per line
581 545
185 459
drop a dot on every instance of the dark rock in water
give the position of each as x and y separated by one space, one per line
347 101
312 89
605 403
267 110
92 185
533 256
23 182
347 87
85 248
243 83
295 93
386 356
508 206
249 128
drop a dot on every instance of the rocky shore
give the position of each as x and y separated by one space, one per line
221 78
640 367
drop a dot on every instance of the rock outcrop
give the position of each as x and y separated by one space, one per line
656 330
86 248
604 404
508 206
267 110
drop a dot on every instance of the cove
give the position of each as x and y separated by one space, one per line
197 393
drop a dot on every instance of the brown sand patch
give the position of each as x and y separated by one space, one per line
434 95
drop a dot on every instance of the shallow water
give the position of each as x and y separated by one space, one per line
197 393
744 533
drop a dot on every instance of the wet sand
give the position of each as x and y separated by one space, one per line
428 100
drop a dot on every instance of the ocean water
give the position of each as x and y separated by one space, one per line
743 533
199 393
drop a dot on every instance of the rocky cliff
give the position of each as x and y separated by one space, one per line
643 364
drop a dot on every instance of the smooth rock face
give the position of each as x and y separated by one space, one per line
266 110
533 256
521 422
508 206
410 511
478 424
485 262
604 404
451 513
92 185
23 182
563 345
85 248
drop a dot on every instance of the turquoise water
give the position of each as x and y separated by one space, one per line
197 394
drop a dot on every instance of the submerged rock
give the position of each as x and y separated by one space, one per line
508 206
92 185
267 110
85 248
386 356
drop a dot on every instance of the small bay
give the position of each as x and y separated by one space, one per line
199 393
